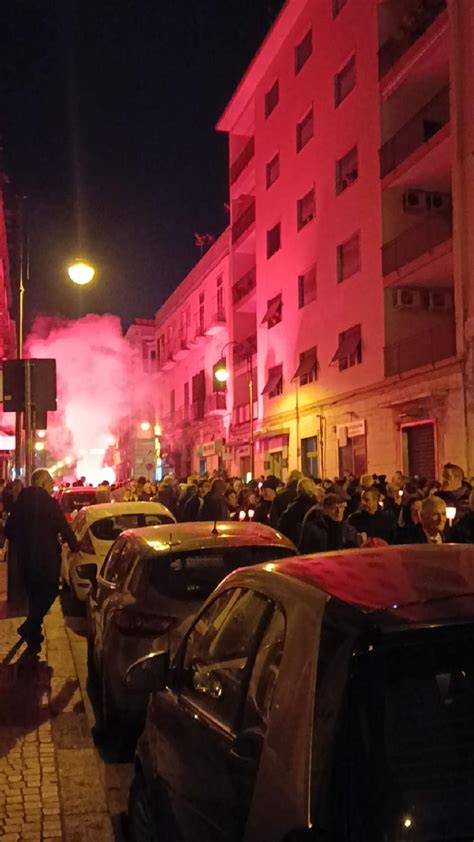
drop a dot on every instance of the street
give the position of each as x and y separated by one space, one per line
54 783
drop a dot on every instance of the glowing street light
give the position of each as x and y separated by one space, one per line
145 426
41 434
39 446
81 272
222 374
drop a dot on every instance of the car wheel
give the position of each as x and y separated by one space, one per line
140 816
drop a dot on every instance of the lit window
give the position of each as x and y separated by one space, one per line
273 170
344 81
271 99
305 209
307 287
303 51
273 240
347 170
304 131
348 258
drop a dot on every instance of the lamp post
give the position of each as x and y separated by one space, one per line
81 272
222 375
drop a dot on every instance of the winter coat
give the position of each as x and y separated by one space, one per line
463 531
35 522
379 525
291 521
214 507
321 533
281 501
191 509
262 512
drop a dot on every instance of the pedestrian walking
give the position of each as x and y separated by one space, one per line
215 505
324 528
285 497
291 521
34 526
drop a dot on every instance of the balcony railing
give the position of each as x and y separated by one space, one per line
216 404
424 348
395 48
242 160
434 230
245 220
244 285
421 128
245 348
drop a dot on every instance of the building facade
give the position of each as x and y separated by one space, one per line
351 262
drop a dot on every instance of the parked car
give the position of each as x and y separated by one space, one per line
73 499
153 580
97 527
318 698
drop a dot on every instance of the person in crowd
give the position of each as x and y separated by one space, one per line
264 505
394 495
409 520
190 491
192 507
167 493
232 502
372 520
103 494
432 526
285 497
247 504
35 523
214 505
433 487
455 491
291 521
463 531
324 528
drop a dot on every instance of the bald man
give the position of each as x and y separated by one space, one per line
35 525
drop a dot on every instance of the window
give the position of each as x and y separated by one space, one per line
186 394
265 674
111 565
271 99
307 370
349 349
172 402
199 394
307 287
273 170
201 313
305 209
109 528
303 51
344 81
220 299
348 258
304 131
273 240
273 312
274 384
337 6
220 652
347 170
160 349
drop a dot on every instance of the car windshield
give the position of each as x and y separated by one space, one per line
194 575
405 755
71 502
109 528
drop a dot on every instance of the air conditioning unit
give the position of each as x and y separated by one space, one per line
438 299
414 201
439 202
406 298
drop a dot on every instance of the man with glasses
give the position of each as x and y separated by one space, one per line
324 528
35 525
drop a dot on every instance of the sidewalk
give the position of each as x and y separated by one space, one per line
53 783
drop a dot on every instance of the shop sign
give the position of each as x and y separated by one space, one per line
356 428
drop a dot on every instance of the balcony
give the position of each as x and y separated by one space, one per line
393 49
415 242
420 130
182 349
216 323
242 160
199 336
244 286
245 349
243 223
425 348
216 404
168 361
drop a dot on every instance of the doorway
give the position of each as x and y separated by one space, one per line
419 449
309 457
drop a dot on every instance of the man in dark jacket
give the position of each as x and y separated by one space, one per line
432 528
284 498
34 526
324 528
463 531
264 505
372 520
291 521
215 505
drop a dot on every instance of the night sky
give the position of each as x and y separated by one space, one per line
109 106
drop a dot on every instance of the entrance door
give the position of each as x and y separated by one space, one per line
309 456
419 450
353 457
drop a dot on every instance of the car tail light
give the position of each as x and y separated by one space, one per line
86 545
132 622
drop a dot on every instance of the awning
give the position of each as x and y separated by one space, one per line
273 308
274 376
348 343
307 364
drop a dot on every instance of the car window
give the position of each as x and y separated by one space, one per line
219 654
265 673
70 502
109 528
111 565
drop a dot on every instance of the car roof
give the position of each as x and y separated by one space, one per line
97 511
206 534
78 489
404 585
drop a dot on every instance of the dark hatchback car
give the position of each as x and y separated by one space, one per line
152 580
319 698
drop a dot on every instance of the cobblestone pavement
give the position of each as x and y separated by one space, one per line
53 782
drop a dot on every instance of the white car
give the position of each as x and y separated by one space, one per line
97 527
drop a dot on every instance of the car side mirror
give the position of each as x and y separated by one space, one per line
148 674
87 571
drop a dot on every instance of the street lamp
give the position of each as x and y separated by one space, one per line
81 272
222 375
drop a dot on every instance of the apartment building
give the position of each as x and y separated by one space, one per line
191 407
351 260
